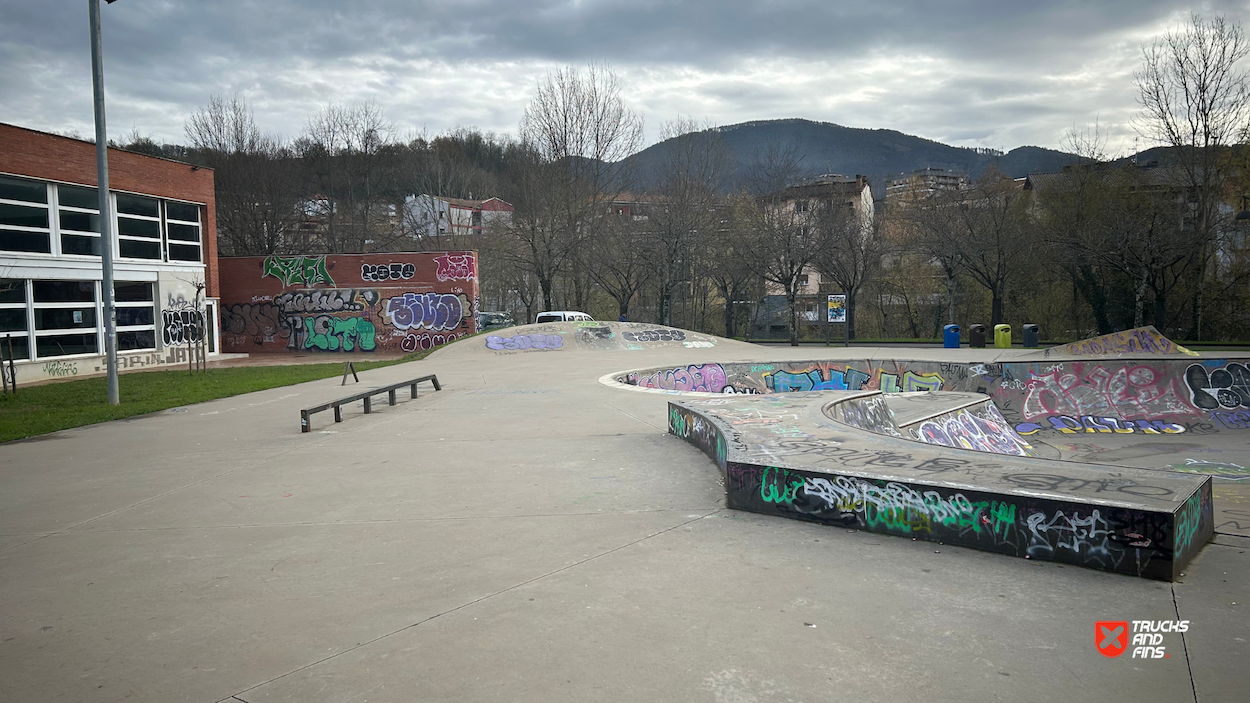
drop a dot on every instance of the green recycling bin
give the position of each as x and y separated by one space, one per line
1002 336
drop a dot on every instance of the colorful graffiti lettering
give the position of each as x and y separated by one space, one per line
1124 391
987 432
815 380
912 382
1228 387
309 270
1090 424
1239 420
522 342
326 300
709 378
872 414
387 272
456 268
431 311
1142 340
325 333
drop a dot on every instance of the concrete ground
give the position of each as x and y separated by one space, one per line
527 534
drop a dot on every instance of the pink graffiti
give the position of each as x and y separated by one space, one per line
1128 392
456 268
709 378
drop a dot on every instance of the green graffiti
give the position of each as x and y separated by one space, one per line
720 450
779 486
1187 522
677 423
1002 518
332 333
309 270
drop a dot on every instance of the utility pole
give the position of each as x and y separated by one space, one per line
106 215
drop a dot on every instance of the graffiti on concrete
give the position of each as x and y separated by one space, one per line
872 414
981 429
1225 470
912 382
1239 420
1090 424
1101 391
308 270
456 268
1142 340
387 272
430 311
707 378
525 342
180 327
60 368
654 336
815 380
1223 388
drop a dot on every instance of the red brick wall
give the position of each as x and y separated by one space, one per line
398 302
25 152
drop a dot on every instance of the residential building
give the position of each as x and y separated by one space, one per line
164 247
436 216
924 183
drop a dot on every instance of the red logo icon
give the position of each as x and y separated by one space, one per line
1111 636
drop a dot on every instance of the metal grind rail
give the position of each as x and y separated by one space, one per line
306 414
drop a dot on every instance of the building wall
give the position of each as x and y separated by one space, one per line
348 303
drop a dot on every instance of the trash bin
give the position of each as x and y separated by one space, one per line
950 339
976 336
1030 336
1002 336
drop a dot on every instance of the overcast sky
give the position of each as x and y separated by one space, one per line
966 72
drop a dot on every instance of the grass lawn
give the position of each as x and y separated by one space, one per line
50 407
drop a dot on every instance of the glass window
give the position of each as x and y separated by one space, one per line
83 246
21 348
132 291
80 221
135 205
73 196
13 320
24 190
18 240
12 290
129 317
131 340
134 249
63 344
185 233
129 227
183 252
182 211
64 318
22 216
64 292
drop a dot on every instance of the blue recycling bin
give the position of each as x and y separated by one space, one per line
951 337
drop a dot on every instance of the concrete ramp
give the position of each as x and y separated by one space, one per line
1138 342
789 456
633 337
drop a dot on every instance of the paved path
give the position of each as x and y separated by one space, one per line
526 534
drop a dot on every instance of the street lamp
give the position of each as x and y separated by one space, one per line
106 216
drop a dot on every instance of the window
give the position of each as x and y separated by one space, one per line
65 318
14 326
24 216
138 227
136 315
182 231
78 214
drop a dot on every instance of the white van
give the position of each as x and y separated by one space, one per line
561 316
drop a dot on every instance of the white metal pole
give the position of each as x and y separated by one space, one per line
106 215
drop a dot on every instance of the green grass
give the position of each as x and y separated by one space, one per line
50 407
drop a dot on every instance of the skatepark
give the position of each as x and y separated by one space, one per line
623 511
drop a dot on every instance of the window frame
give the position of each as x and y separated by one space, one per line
35 334
47 205
170 241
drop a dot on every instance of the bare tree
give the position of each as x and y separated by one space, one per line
853 246
256 192
577 131
1193 95
618 259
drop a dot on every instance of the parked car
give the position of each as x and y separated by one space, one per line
561 316
493 320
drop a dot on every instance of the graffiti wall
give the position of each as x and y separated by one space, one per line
348 303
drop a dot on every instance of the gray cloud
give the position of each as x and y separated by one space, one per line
971 72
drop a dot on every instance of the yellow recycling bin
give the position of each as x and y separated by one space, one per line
1002 336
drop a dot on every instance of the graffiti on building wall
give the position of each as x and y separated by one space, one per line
181 327
430 311
308 270
326 333
387 272
423 341
326 300
59 369
456 268
1223 388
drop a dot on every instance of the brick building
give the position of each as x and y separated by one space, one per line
164 252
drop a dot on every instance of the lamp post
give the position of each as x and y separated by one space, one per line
106 216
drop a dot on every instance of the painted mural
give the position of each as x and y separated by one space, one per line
348 303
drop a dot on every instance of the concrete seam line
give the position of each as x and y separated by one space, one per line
1193 685
635 417
479 600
